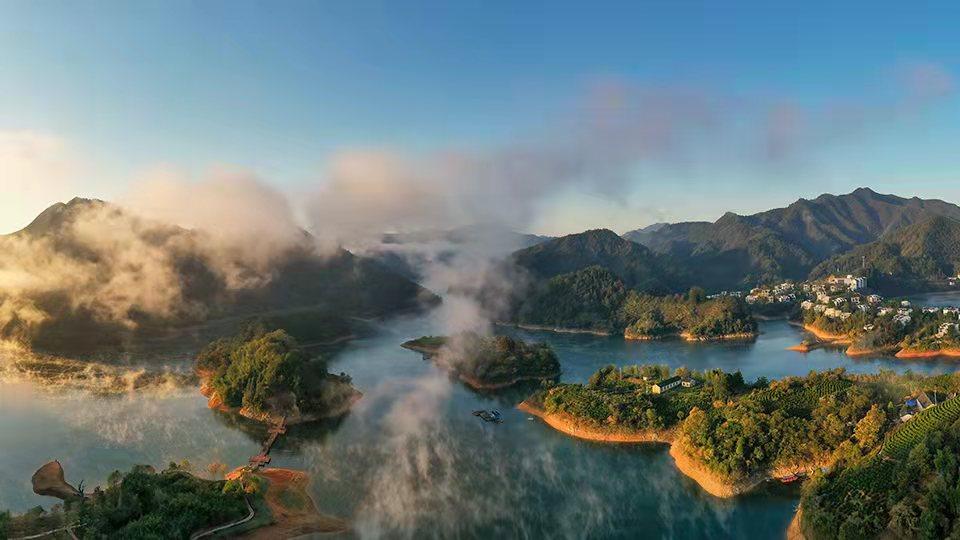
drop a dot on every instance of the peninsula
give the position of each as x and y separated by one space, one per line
174 503
730 436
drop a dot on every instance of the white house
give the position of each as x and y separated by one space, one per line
903 319
665 385
946 329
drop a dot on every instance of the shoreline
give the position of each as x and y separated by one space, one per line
708 480
554 329
827 339
292 509
686 463
214 401
738 336
912 353
433 354
479 385
688 337
795 529
570 426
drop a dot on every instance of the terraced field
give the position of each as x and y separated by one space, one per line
876 475
798 401
904 438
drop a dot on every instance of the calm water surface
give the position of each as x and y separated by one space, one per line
412 461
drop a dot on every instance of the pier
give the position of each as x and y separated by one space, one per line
263 458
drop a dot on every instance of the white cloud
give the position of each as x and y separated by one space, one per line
36 170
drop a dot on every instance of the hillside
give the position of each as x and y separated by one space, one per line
785 243
86 275
915 257
637 266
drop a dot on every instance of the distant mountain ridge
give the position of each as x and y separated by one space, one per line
908 259
633 263
786 243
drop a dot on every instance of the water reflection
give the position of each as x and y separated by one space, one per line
412 461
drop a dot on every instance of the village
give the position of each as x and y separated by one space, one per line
841 297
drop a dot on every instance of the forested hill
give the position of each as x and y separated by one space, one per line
785 243
87 274
911 258
634 264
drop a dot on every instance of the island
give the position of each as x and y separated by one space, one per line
594 300
174 503
266 376
730 436
489 362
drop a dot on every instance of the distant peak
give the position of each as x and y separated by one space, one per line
605 234
78 201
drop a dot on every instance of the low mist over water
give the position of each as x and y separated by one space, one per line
411 460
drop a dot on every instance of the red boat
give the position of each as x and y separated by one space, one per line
789 479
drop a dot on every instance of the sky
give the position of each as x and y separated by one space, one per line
738 106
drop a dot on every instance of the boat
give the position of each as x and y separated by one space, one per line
489 416
789 479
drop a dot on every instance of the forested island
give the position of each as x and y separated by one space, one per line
730 436
266 376
489 362
594 299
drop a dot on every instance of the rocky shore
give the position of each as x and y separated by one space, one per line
912 353
827 339
292 414
711 482
631 335
571 426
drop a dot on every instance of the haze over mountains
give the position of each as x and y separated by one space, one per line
88 274
89 271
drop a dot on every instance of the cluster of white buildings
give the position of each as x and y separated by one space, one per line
783 293
735 294
824 291
843 307
852 283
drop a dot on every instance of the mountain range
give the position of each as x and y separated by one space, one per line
911 259
789 243
633 263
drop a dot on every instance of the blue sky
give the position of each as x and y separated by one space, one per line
278 88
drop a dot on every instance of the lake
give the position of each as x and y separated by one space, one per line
412 461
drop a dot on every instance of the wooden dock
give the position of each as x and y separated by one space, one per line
263 458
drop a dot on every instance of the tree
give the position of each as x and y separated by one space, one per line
870 427
696 427
697 295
